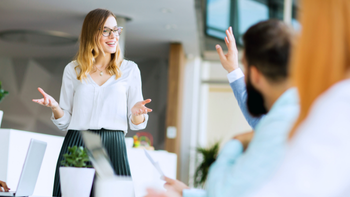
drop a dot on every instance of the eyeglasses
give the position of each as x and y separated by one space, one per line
116 31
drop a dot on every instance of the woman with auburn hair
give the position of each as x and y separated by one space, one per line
317 163
100 92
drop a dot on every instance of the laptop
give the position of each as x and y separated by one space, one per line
107 182
30 170
98 154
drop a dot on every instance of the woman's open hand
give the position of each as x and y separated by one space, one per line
140 108
47 101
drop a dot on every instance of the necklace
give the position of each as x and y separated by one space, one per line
101 72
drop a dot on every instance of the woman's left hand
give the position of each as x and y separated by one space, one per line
140 108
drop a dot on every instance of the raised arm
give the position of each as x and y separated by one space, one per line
236 78
238 87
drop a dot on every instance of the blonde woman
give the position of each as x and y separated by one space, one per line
100 92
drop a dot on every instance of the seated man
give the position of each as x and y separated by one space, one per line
267 47
3 187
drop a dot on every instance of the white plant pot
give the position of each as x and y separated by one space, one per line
1 114
76 182
114 187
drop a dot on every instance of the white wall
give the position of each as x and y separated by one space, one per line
189 118
211 113
223 118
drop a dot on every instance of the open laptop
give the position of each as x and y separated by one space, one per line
107 182
30 170
98 154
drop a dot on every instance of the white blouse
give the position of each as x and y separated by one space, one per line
87 105
317 163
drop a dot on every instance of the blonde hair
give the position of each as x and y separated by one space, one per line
90 47
321 57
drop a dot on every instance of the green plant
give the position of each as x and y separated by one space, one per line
3 93
209 156
76 157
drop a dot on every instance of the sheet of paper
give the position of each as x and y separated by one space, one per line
155 164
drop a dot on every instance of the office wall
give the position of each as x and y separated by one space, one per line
154 73
217 116
22 76
225 118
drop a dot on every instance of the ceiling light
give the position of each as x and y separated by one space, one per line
40 38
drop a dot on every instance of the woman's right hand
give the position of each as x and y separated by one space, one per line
47 101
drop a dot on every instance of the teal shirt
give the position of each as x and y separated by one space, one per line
237 174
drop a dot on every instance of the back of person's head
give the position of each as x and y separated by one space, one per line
322 55
267 46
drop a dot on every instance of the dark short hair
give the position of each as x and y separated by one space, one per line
267 46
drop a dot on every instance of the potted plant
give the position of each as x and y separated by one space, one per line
76 175
209 156
3 93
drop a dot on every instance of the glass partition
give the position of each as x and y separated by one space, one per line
241 14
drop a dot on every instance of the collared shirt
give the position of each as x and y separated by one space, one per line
237 174
317 163
87 105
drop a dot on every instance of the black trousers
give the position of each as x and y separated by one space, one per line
114 142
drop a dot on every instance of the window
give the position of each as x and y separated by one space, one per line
218 17
240 14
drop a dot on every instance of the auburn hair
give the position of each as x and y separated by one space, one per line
321 57
90 48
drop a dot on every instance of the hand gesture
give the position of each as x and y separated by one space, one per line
140 108
245 138
3 187
174 185
230 60
47 101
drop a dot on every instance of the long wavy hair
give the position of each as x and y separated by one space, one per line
90 47
321 57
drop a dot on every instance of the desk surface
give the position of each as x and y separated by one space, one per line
143 173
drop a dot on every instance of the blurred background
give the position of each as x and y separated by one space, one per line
173 43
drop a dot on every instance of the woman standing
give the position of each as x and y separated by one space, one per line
99 92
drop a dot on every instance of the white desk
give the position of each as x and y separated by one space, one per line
13 149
